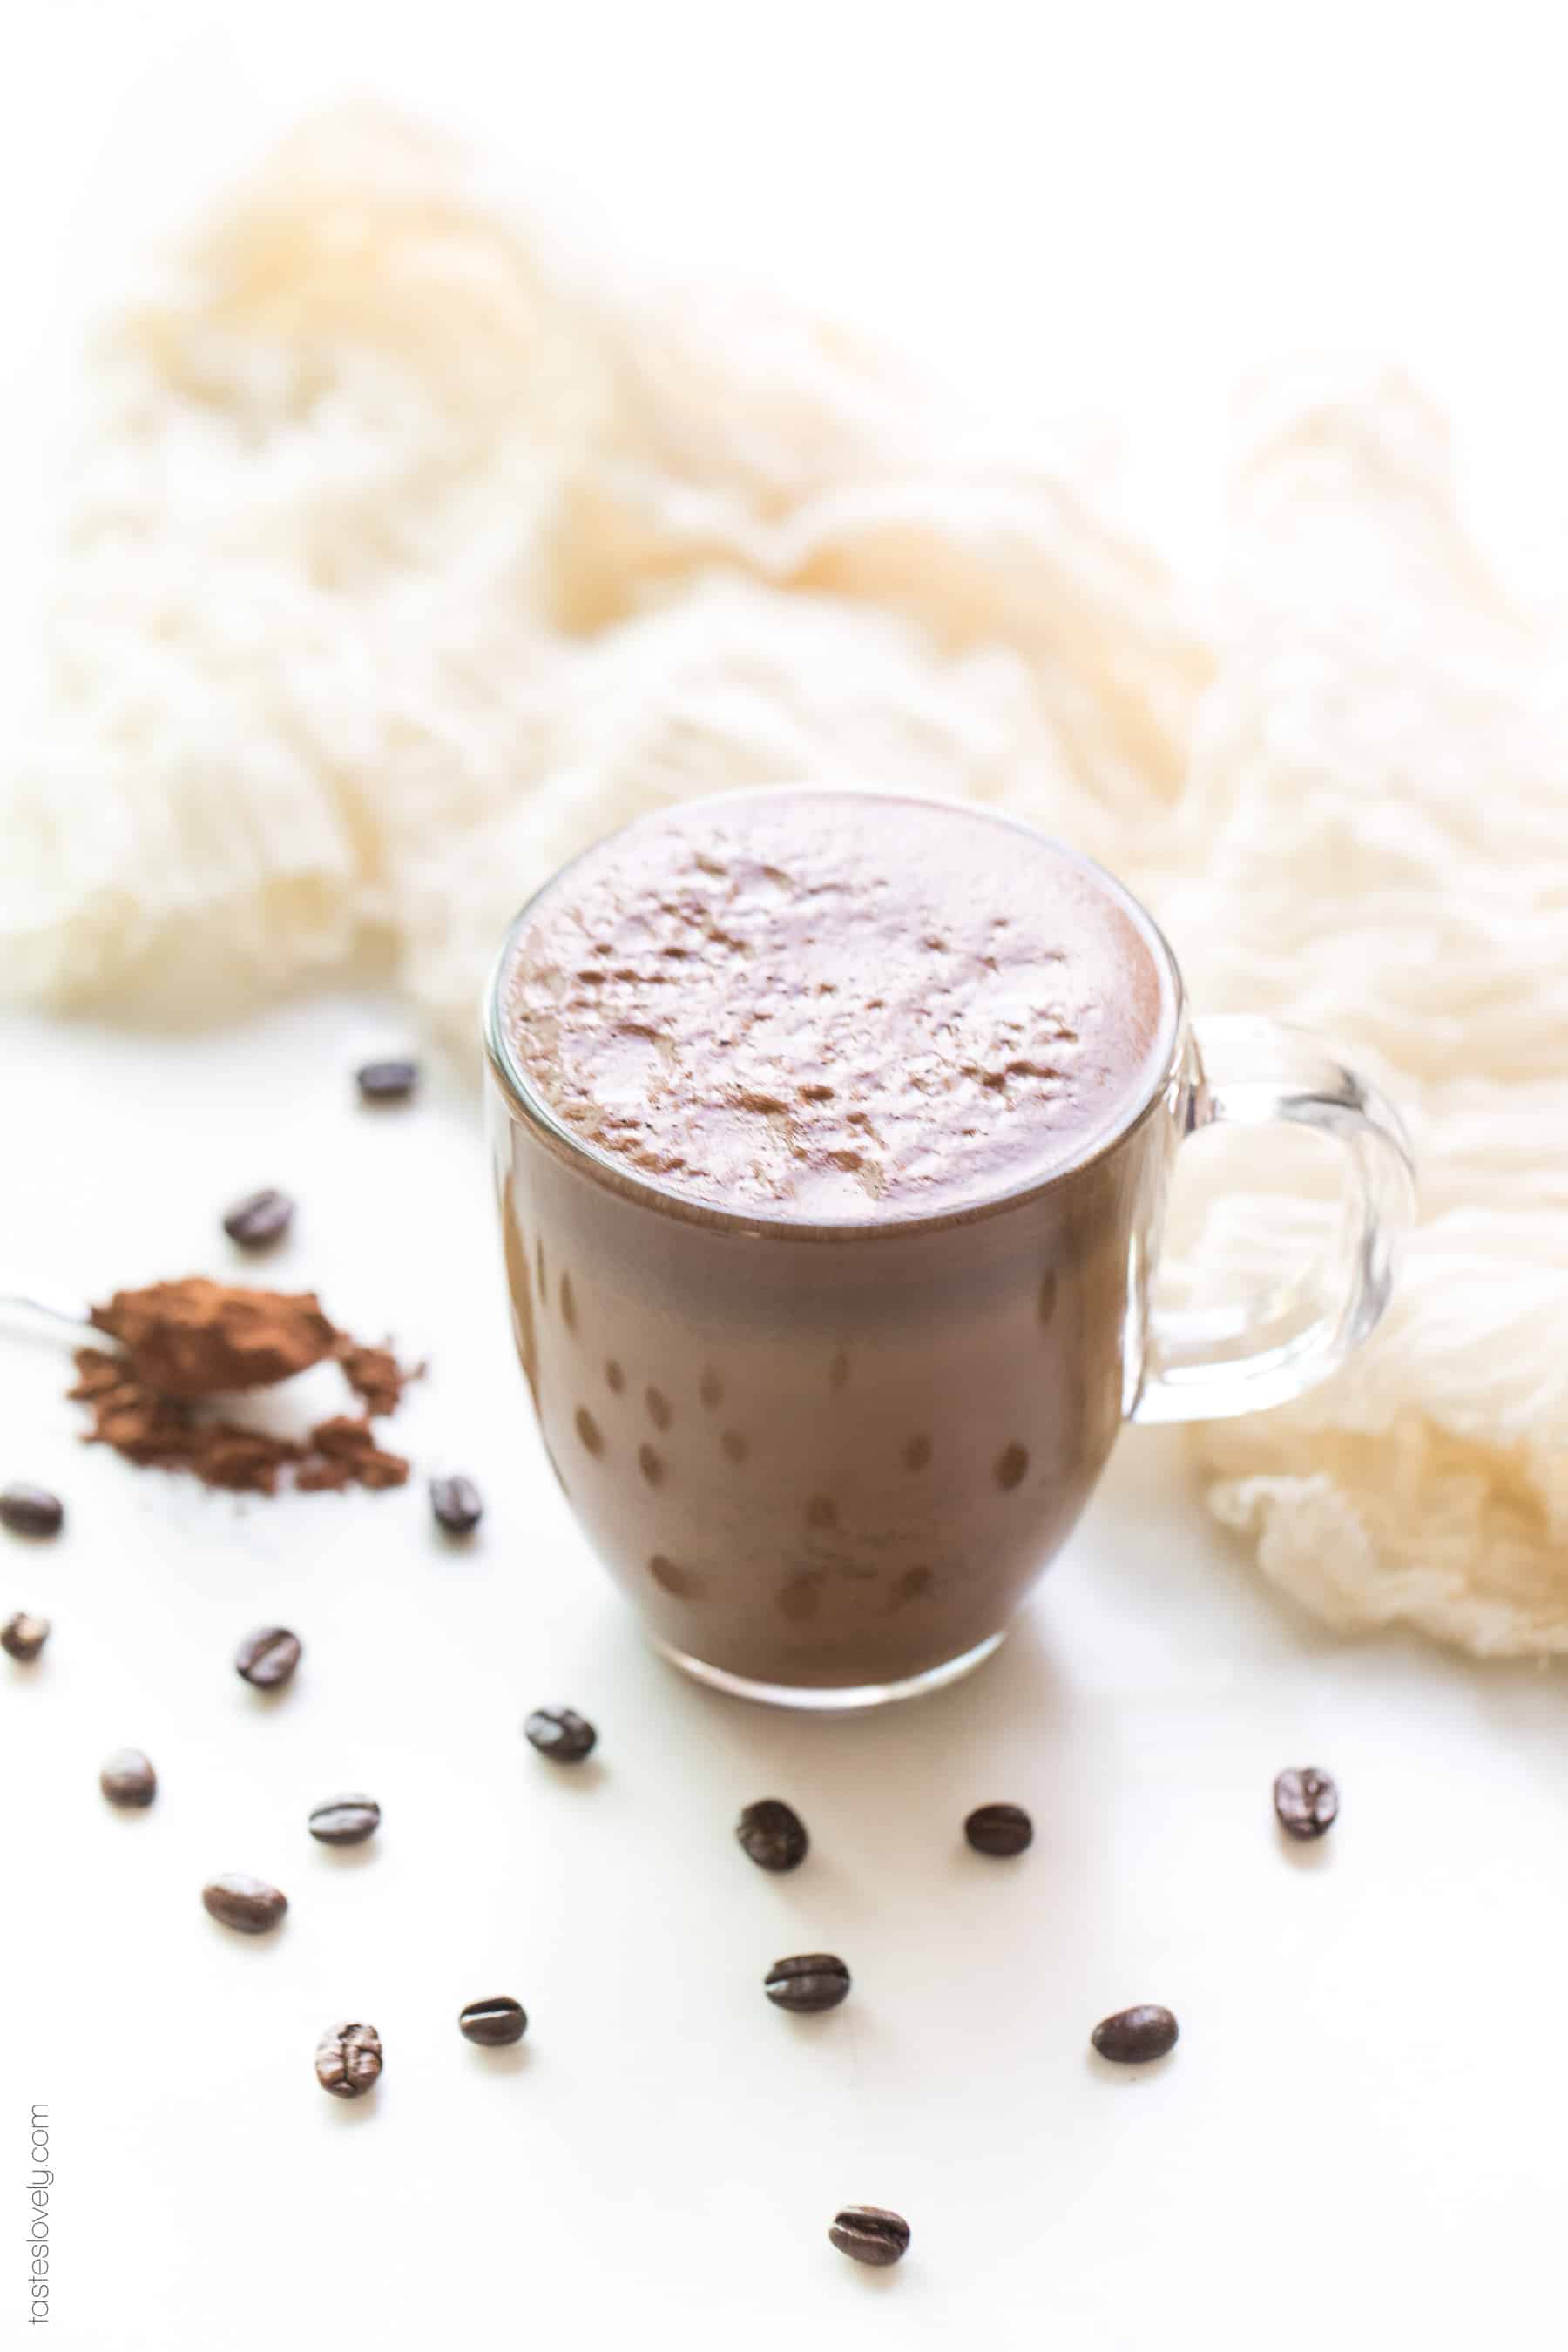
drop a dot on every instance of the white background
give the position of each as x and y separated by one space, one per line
1073 212
1358 2139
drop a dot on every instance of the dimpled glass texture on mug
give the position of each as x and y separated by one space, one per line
832 1134
828 1459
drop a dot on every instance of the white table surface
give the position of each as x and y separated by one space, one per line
1358 2139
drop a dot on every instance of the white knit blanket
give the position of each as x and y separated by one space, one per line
406 557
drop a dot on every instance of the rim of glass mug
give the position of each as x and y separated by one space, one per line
1171 1059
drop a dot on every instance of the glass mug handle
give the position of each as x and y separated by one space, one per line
1210 1363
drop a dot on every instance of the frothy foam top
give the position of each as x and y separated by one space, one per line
834 1005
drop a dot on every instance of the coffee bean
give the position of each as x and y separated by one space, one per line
807 1982
128 1779
560 1733
345 1821
494 2023
266 1658
348 2060
1306 1801
248 1904
869 2234
259 1220
999 1829
22 1637
1133 2036
457 1504
31 1511
773 1834
383 1082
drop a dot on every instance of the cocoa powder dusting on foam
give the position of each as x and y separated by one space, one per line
187 1342
835 1006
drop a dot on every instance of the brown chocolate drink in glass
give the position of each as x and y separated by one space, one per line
832 1131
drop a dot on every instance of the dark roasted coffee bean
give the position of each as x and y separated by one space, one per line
1133 2036
383 1082
22 1637
869 2234
457 1504
999 1829
348 2060
1306 1801
807 1981
560 1733
31 1511
128 1779
494 2023
267 1657
773 1834
259 1220
345 1821
248 1904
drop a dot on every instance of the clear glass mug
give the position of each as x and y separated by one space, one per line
826 1464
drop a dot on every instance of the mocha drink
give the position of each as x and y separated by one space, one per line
827 1179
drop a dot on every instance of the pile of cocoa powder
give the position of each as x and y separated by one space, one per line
183 1344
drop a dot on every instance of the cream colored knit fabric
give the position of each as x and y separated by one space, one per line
407 558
